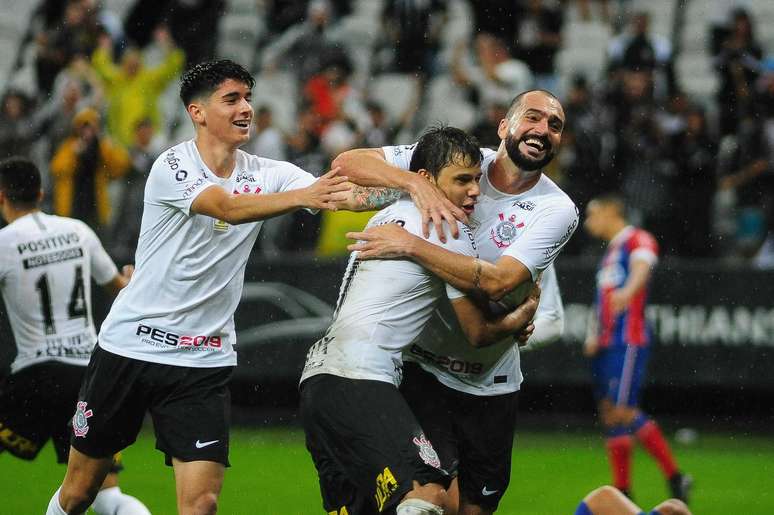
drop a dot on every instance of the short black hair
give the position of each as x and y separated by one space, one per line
205 77
441 146
612 199
516 102
20 181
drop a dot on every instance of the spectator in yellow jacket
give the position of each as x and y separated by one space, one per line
131 89
82 167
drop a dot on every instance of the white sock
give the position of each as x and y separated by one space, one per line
111 501
418 507
54 508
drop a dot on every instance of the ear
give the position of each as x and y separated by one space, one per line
427 175
502 129
196 112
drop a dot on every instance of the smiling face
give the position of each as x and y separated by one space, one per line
226 114
533 132
460 184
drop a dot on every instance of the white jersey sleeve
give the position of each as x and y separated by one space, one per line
544 236
103 269
291 177
175 181
465 245
549 319
399 155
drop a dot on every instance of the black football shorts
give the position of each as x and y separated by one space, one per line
36 403
473 434
190 408
365 443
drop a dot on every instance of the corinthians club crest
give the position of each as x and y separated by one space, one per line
81 419
506 231
426 451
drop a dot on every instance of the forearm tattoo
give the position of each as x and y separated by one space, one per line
375 198
477 274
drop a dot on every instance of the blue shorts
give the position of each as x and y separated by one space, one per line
618 374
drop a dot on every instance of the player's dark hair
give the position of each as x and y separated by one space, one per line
441 146
612 199
516 102
20 181
204 78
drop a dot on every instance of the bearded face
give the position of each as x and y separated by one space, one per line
538 153
533 132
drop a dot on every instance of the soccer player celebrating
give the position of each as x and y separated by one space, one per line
619 342
46 266
520 225
371 454
167 345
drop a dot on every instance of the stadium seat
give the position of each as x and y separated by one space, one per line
393 91
277 90
445 102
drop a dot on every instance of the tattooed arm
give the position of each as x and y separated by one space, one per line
364 198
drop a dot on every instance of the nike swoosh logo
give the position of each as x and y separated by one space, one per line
484 491
199 444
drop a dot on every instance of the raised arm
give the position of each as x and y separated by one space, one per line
463 272
482 331
369 167
324 193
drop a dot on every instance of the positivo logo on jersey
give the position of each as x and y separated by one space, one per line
160 338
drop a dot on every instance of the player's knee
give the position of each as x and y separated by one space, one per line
76 500
204 504
602 496
673 507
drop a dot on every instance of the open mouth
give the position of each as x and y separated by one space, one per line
468 208
535 145
242 124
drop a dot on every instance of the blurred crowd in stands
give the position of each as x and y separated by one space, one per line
699 173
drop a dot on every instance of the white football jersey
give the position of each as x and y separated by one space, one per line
531 227
179 307
382 307
46 266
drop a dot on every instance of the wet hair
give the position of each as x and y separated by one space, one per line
204 78
441 146
516 102
20 181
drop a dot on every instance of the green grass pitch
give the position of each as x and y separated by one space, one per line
271 474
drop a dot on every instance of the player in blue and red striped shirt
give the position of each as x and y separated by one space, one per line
619 342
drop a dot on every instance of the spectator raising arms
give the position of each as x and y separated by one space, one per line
132 89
